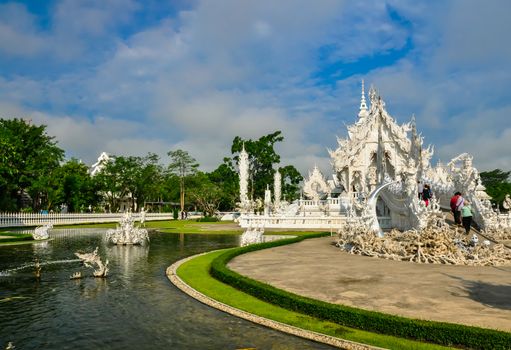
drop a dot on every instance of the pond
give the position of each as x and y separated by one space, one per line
136 307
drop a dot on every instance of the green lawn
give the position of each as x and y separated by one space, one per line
178 226
188 226
196 273
8 238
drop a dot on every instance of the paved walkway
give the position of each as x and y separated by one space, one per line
479 296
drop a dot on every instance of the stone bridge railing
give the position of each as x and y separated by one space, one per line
30 219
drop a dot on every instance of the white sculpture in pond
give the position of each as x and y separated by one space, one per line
252 236
91 259
127 233
41 232
142 216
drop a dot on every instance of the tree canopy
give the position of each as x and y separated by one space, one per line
28 160
182 164
263 160
497 184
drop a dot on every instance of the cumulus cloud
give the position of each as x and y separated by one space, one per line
197 77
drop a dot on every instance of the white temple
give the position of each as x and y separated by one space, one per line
100 164
375 174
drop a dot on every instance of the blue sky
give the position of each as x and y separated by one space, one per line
131 77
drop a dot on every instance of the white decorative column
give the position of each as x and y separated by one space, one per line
267 201
243 165
277 189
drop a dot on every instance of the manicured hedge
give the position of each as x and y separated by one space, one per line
430 331
208 219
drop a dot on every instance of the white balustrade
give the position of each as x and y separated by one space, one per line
295 222
32 219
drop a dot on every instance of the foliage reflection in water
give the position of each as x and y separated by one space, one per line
135 307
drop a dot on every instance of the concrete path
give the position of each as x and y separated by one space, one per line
479 296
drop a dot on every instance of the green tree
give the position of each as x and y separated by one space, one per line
110 183
291 179
135 178
182 165
28 159
148 180
205 194
497 184
74 187
263 158
227 181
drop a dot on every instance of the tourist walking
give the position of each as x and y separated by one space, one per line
426 194
456 205
466 216
420 189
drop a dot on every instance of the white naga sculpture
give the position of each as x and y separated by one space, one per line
93 259
127 233
41 232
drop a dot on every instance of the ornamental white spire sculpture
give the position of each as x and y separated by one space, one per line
363 106
277 191
243 168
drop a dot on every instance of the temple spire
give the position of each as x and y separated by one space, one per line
363 106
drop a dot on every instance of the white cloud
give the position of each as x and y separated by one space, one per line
227 68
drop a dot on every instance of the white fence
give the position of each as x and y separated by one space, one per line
29 219
293 222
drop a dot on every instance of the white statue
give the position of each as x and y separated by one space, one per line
127 233
252 235
267 201
243 164
41 232
277 190
507 202
142 216
91 259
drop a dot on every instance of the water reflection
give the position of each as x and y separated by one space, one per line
134 307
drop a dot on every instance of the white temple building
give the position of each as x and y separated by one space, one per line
381 162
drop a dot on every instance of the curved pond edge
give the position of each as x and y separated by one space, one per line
282 327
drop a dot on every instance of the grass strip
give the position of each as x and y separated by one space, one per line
437 332
174 226
195 273
14 237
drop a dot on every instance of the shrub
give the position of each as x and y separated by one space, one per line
175 213
208 219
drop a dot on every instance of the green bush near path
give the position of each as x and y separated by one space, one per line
195 273
437 332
